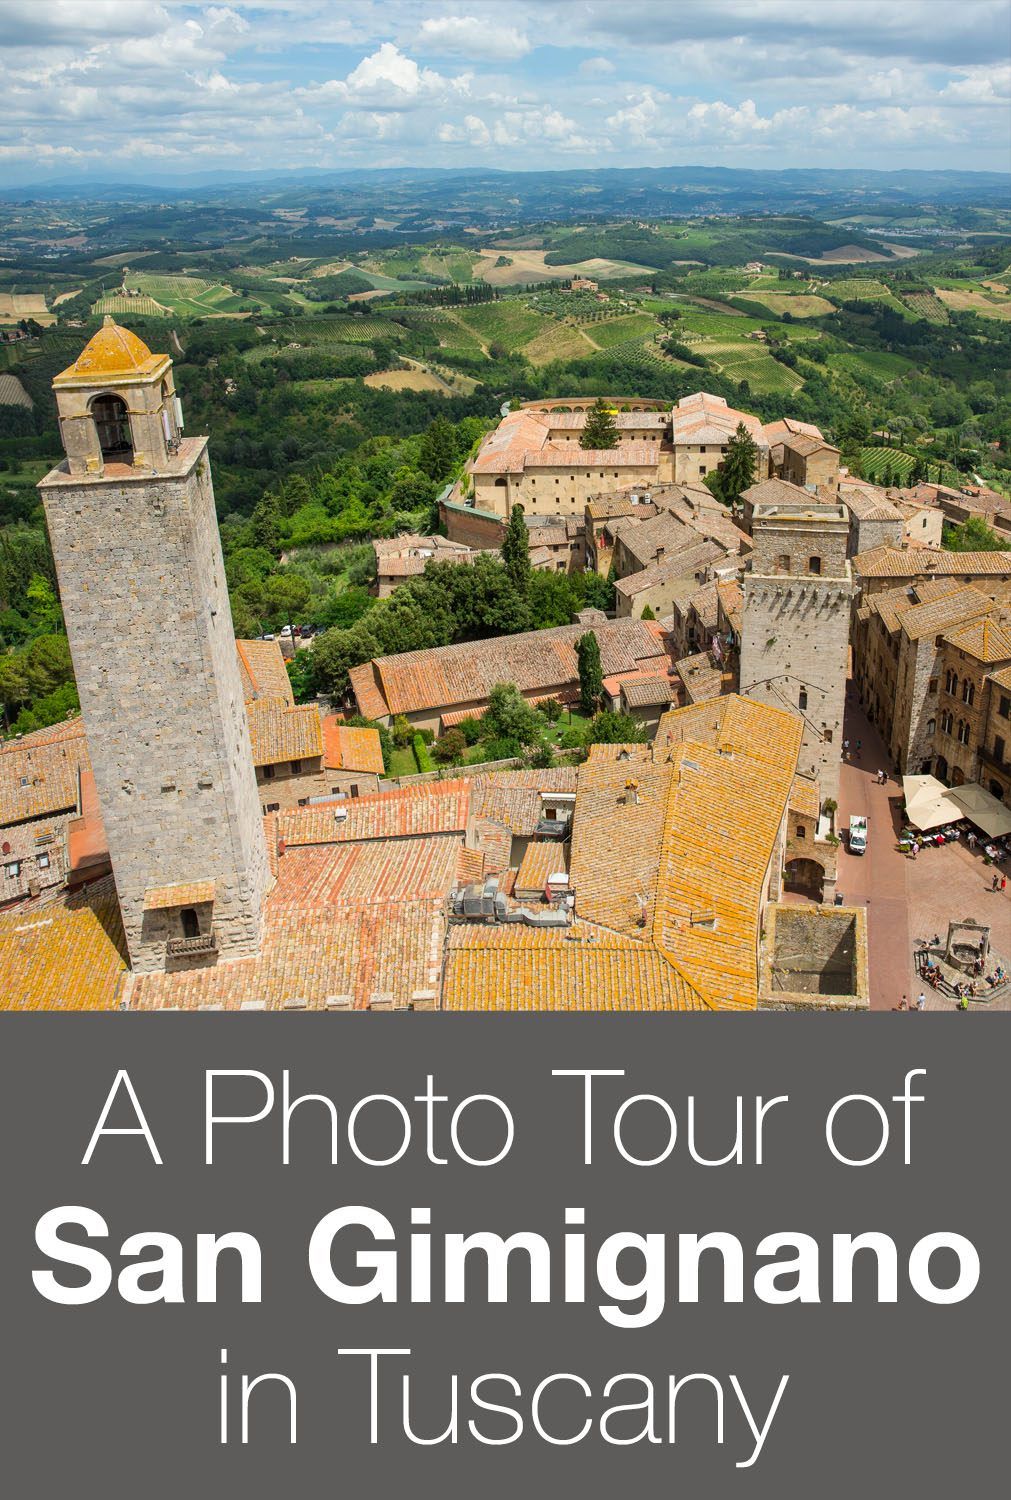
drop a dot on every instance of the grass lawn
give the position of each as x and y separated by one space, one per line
402 763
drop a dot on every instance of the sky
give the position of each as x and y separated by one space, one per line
120 88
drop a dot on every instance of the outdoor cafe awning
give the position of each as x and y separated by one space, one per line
929 804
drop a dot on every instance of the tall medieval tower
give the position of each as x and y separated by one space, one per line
795 638
134 534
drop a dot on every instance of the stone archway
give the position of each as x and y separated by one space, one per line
957 776
806 877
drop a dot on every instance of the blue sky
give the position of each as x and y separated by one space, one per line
124 87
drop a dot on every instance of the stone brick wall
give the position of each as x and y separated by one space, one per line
143 589
473 528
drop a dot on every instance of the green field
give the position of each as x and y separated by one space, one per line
619 330
876 462
510 323
184 296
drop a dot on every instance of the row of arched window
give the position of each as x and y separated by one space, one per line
951 687
961 732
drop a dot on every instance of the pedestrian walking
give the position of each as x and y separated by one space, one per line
1003 882
903 1003
921 1000
995 882
846 749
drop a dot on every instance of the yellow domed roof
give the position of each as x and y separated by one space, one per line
113 352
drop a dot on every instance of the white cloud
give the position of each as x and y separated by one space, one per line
642 116
596 67
471 132
389 79
467 36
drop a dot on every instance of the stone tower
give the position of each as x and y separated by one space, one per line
795 639
134 534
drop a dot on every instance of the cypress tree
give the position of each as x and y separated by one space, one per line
591 675
739 467
516 551
600 430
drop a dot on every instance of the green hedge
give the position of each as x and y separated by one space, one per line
421 755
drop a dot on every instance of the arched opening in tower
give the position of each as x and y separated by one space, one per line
112 422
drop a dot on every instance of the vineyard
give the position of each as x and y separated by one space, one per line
139 307
882 464
337 330
926 305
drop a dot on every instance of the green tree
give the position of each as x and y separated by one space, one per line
451 749
739 467
600 430
647 613
285 597
516 551
265 523
302 676
974 535
609 728
591 676
437 453
510 717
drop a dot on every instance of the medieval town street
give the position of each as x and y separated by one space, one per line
907 899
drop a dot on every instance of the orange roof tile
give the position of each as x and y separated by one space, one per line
580 968
540 861
66 955
349 749
408 812
263 672
278 733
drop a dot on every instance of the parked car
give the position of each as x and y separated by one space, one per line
858 836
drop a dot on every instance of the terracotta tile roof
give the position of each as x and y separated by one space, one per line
868 503
731 598
611 507
679 565
469 866
61 733
408 812
987 640
704 604
703 418
66 955
368 692
804 444
39 777
616 836
641 539
370 873
349 749
514 797
346 956
941 614
540 861
648 692
724 809
262 669
572 456
536 660
777 492
191 893
580 968
576 420
521 441
701 679
786 427
805 797
914 562
407 542
278 733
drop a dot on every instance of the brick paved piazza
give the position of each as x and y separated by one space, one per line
908 899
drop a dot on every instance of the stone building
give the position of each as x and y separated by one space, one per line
808 461
135 538
399 558
435 689
921 657
889 567
701 428
795 639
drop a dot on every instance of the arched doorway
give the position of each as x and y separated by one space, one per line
958 776
112 423
806 877
941 769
